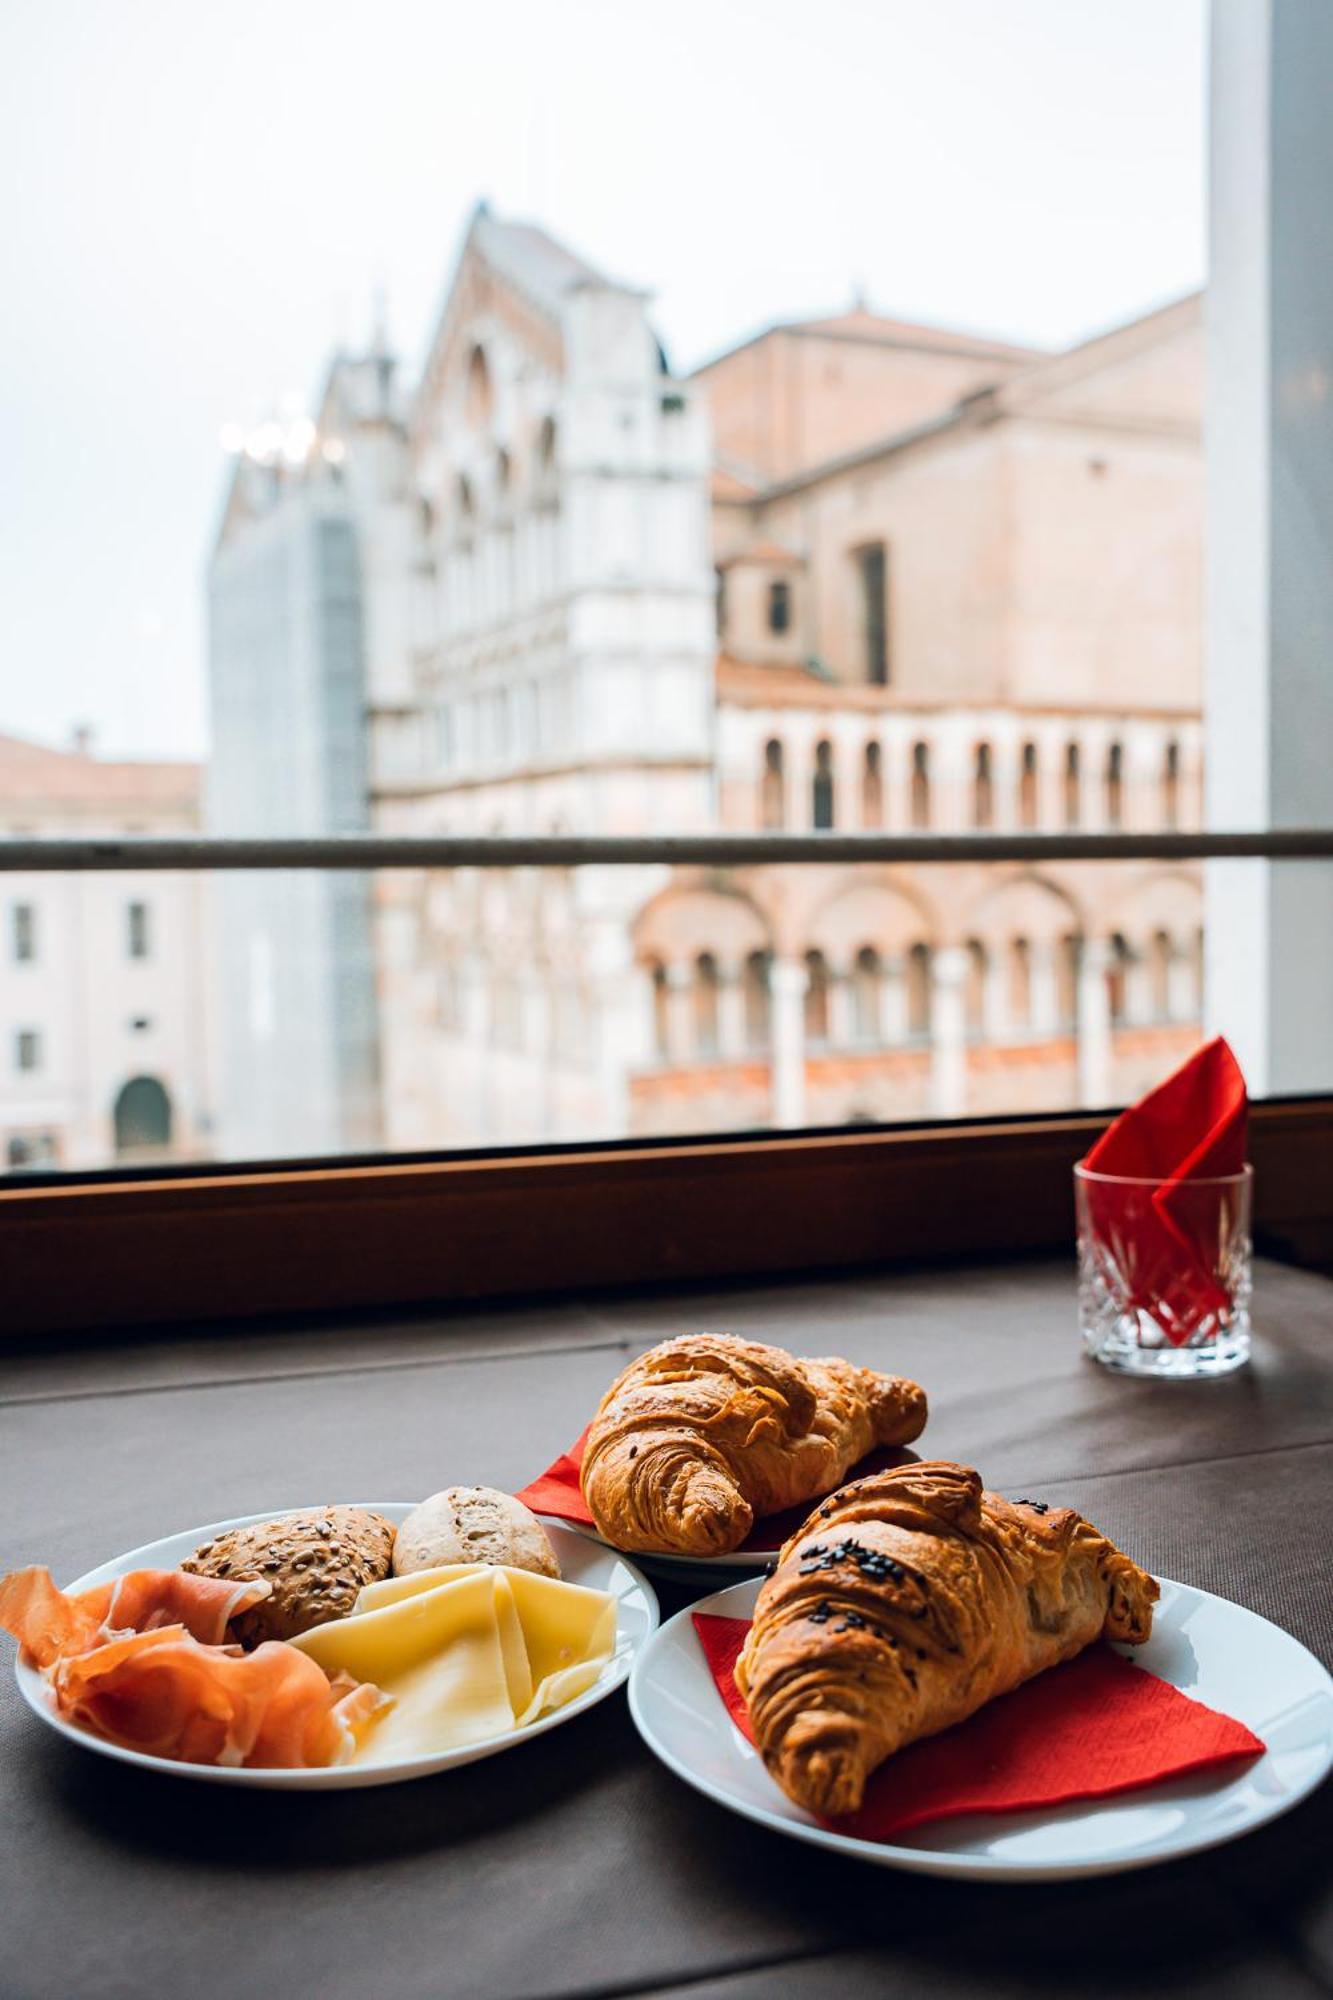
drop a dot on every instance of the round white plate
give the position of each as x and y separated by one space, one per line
580 1562
1220 1654
701 1571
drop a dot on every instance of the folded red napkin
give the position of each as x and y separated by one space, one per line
1093 1727
1164 1240
557 1491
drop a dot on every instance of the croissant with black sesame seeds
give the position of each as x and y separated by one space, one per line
904 1604
702 1435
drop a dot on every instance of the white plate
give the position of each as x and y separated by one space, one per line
1210 1649
600 1569
700 1571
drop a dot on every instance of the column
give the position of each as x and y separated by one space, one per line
948 1034
786 987
1045 1009
680 1013
848 766
1180 1001
841 1032
1269 594
1094 1024
731 1012
893 1002
1138 986
995 994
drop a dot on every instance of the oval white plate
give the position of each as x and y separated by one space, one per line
1208 1648
599 1569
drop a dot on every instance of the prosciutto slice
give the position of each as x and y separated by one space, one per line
141 1662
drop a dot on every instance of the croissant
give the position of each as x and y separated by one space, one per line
701 1435
905 1603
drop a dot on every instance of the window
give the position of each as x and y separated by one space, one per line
920 800
1117 979
779 606
872 565
974 988
26 1150
1028 801
24 933
720 600
705 1004
137 932
1159 975
983 789
773 789
1073 785
872 787
1020 984
661 1011
867 987
918 974
1115 785
822 787
1171 786
757 1000
816 996
142 1115
27 1049
140 1024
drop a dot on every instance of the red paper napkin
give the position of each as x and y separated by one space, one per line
557 1491
1093 1727
1164 1242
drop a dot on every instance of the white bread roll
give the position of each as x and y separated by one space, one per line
472 1524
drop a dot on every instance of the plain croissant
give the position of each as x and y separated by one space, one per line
702 1435
904 1604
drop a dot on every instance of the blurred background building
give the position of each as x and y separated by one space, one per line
854 573
106 988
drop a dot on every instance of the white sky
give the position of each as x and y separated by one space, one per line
201 200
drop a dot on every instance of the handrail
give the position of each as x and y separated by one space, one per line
708 850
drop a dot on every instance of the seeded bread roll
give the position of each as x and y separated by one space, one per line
316 1561
472 1524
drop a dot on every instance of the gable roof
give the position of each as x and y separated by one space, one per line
36 774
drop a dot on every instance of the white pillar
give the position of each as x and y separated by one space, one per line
948 1032
731 1012
1181 1004
680 1014
1268 706
893 1002
841 1033
1094 1024
786 987
1045 992
1138 987
995 995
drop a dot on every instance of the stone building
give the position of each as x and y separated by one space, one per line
853 573
105 979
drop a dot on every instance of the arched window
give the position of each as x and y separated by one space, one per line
1020 983
142 1115
773 788
816 997
872 786
757 1000
918 990
779 605
1028 804
974 988
920 799
463 505
1117 979
705 1004
866 989
546 454
1073 785
1068 960
1115 784
479 400
1197 966
821 791
661 1012
1171 785
983 788
1159 975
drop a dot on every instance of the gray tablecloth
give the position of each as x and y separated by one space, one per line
576 1865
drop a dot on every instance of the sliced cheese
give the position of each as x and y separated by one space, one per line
467 1651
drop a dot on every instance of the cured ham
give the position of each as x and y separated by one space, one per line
140 1661
50 1623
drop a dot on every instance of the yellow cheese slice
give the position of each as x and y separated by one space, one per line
467 1651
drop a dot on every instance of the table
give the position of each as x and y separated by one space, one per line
576 1865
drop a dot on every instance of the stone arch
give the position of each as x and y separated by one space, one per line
881 911
1025 905
683 922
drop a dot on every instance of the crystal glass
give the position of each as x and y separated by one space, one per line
1164 1273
